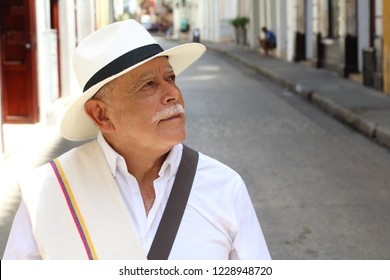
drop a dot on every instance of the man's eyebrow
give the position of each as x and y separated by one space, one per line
151 75
133 87
146 76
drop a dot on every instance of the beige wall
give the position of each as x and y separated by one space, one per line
101 14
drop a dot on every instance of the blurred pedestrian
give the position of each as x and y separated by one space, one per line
196 35
268 42
184 29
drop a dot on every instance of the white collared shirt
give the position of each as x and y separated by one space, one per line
219 220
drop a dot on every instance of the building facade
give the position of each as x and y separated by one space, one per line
348 37
343 36
37 42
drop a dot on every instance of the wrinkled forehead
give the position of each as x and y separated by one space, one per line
132 80
158 65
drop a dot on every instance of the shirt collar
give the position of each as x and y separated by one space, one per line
116 162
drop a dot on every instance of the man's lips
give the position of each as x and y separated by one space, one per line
174 117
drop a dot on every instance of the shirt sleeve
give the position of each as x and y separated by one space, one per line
249 242
21 244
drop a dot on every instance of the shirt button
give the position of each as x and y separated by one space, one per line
134 191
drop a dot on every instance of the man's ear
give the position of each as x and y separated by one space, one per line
96 110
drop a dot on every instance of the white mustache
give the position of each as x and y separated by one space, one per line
168 113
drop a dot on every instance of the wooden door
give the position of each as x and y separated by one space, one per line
55 24
18 61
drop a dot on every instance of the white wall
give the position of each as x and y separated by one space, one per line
378 17
67 24
85 18
208 28
363 29
283 30
262 15
309 29
211 17
47 62
67 44
47 54
228 12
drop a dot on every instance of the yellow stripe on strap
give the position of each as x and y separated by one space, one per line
74 209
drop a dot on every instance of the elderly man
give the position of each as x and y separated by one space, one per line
122 195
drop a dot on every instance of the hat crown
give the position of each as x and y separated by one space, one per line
107 44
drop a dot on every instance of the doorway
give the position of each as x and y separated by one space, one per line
18 61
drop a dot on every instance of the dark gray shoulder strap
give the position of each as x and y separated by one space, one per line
177 201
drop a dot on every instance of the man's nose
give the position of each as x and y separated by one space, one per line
170 93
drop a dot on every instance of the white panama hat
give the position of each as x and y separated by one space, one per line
109 53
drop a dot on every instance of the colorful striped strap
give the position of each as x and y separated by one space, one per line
74 209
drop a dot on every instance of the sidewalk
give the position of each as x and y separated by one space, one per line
363 108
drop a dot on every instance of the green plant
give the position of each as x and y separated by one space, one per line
124 16
240 21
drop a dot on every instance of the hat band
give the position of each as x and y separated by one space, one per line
123 62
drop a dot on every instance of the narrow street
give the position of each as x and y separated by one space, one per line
321 190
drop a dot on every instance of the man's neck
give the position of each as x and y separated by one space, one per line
144 165
143 162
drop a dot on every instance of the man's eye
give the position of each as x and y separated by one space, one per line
148 85
172 78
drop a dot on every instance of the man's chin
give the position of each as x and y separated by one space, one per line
177 138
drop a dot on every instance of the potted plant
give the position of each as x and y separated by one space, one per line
239 24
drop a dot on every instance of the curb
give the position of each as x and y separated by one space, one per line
366 127
383 136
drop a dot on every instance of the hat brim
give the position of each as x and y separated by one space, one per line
76 125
